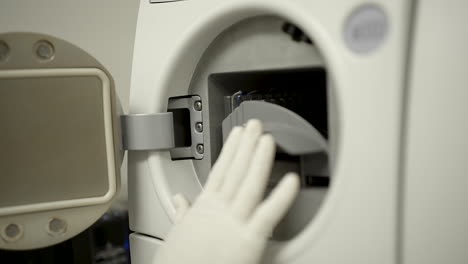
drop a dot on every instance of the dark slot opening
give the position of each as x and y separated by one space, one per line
301 90
182 133
316 181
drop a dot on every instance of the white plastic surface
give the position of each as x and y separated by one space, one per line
76 214
163 1
110 41
28 208
143 248
359 214
35 226
146 214
435 210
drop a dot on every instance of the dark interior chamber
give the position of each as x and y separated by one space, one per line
301 90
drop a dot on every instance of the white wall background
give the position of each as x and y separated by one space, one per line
103 28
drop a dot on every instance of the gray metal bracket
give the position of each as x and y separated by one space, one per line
156 131
194 105
147 131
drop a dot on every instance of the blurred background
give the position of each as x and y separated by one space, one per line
107 31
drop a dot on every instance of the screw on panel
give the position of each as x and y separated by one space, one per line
199 127
4 50
44 50
200 149
12 232
57 225
197 105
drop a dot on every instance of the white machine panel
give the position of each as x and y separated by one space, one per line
359 211
61 145
435 201
387 186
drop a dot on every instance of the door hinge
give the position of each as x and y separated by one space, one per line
180 130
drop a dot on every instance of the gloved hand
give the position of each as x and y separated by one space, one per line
228 222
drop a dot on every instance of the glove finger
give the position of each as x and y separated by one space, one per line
272 210
236 172
224 160
253 187
182 205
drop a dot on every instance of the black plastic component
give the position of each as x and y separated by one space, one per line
296 33
182 133
316 181
302 91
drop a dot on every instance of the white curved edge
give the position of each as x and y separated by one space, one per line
285 251
107 110
161 187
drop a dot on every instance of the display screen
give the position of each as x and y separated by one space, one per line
52 140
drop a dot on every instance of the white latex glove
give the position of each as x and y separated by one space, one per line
228 222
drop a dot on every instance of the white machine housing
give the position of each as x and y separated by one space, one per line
359 213
397 120
377 201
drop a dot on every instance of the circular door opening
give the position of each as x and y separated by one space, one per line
268 59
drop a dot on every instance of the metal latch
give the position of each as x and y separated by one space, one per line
179 130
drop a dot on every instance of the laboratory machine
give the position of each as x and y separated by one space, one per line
365 100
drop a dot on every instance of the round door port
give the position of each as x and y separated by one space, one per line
12 232
272 69
57 226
